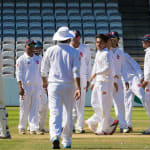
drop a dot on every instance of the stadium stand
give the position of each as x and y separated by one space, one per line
136 23
39 19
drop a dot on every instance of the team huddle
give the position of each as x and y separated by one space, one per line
59 81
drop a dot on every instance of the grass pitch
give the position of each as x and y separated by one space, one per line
128 141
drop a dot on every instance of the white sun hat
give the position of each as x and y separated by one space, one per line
63 33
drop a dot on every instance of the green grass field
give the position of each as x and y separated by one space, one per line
128 141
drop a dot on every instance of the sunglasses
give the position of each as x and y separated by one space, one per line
115 39
31 45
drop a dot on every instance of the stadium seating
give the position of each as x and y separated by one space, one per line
36 19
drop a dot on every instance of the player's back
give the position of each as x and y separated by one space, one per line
62 58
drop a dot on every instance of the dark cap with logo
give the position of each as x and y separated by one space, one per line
77 33
115 34
146 38
30 43
38 44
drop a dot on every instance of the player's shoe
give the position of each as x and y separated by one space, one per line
113 127
78 131
32 132
67 146
124 130
22 131
45 131
146 132
55 142
130 129
102 133
92 128
6 137
39 132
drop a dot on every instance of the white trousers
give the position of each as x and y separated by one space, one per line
59 95
119 106
135 88
102 107
78 109
29 108
147 99
43 110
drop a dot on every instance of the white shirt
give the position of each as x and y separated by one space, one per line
120 68
147 65
61 63
103 66
133 68
28 70
85 66
112 63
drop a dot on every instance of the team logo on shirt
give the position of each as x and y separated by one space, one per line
139 85
81 54
17 65
104 92
118 57
37 62
147 90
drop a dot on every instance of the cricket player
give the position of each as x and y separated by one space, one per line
135 78
121 71
61 64
43 110
85 71
103 86
4 131
28 77
93 120
146 82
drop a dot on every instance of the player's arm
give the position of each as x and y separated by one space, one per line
124 71
146 70
88 68
76 76
45 67
19 76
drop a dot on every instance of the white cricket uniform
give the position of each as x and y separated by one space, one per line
85 71
147 78
118 97
28 72
134 74
103 89
61 63
94 119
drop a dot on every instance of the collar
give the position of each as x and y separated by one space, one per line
105 49
147 49
27 56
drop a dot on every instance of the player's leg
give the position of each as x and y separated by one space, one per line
43 113
80 108
105 97
68 101
120 107
128 100
25 102
147 105
55 107
34 111
92 122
